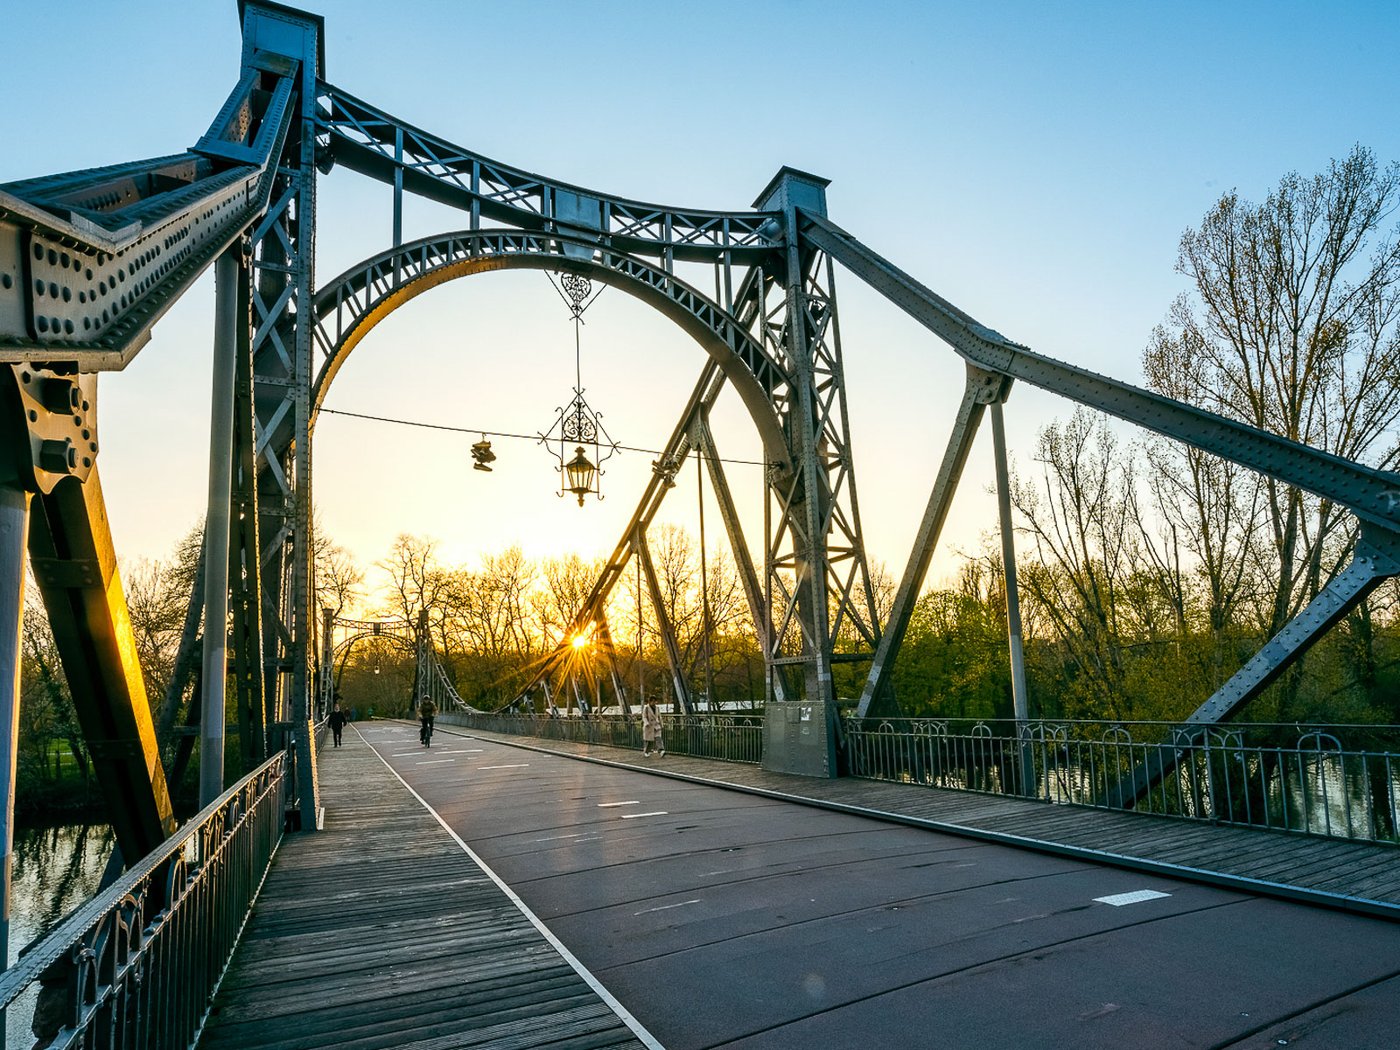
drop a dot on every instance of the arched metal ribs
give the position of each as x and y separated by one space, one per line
372 142
349 306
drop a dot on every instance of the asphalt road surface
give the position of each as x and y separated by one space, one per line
721 919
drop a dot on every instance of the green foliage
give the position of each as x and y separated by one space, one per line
954 659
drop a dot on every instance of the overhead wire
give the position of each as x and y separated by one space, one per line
536 438
577 308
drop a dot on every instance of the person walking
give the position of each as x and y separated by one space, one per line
338 721
651 729
426 710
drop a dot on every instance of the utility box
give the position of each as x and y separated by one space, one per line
798 738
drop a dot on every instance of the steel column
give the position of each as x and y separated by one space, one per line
245 549
605 639
1019 701
327 660
748 576
216 527
70 548
807 513
14 539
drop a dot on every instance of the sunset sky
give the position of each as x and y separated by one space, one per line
1034 163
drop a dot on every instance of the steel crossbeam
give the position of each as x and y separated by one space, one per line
381 146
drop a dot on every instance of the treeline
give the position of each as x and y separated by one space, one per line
493 623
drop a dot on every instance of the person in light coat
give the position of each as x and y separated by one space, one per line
651 729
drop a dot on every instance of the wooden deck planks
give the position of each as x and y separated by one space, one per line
1324 870
381 932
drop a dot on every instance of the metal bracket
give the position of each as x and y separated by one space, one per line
59 410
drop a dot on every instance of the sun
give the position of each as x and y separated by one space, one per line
580 642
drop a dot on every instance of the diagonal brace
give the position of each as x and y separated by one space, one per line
663 621
982 389
1375 559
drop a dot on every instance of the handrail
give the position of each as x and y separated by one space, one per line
118 941
1293 777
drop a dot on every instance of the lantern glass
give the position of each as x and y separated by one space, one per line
580 473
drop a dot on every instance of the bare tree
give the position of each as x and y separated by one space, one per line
417 579
1080 518
1292 327
488 615
339 581
568 582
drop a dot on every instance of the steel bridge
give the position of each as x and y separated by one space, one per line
91 260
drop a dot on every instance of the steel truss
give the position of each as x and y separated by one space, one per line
90 260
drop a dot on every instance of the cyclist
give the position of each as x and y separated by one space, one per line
426 710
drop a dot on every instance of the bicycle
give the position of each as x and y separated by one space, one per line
425 733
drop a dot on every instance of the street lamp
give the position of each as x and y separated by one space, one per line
577 424
581 474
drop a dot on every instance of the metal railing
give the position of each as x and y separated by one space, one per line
1335 781
1294 778
136 967
727 736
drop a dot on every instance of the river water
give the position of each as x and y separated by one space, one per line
55 870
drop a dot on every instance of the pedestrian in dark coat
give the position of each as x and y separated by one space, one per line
338 721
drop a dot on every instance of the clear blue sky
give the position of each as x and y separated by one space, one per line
1035 163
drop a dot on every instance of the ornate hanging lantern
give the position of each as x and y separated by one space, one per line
577 424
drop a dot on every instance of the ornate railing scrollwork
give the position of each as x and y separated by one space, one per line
170 922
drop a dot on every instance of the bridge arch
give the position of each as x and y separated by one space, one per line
351 305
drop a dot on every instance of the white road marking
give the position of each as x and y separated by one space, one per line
666 907
405 754
468 751
516 765
579 838
646 1038
609 805
434 761
1136 897
654 813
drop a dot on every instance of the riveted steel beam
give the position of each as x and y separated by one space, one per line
90 260
75 566
1373 495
